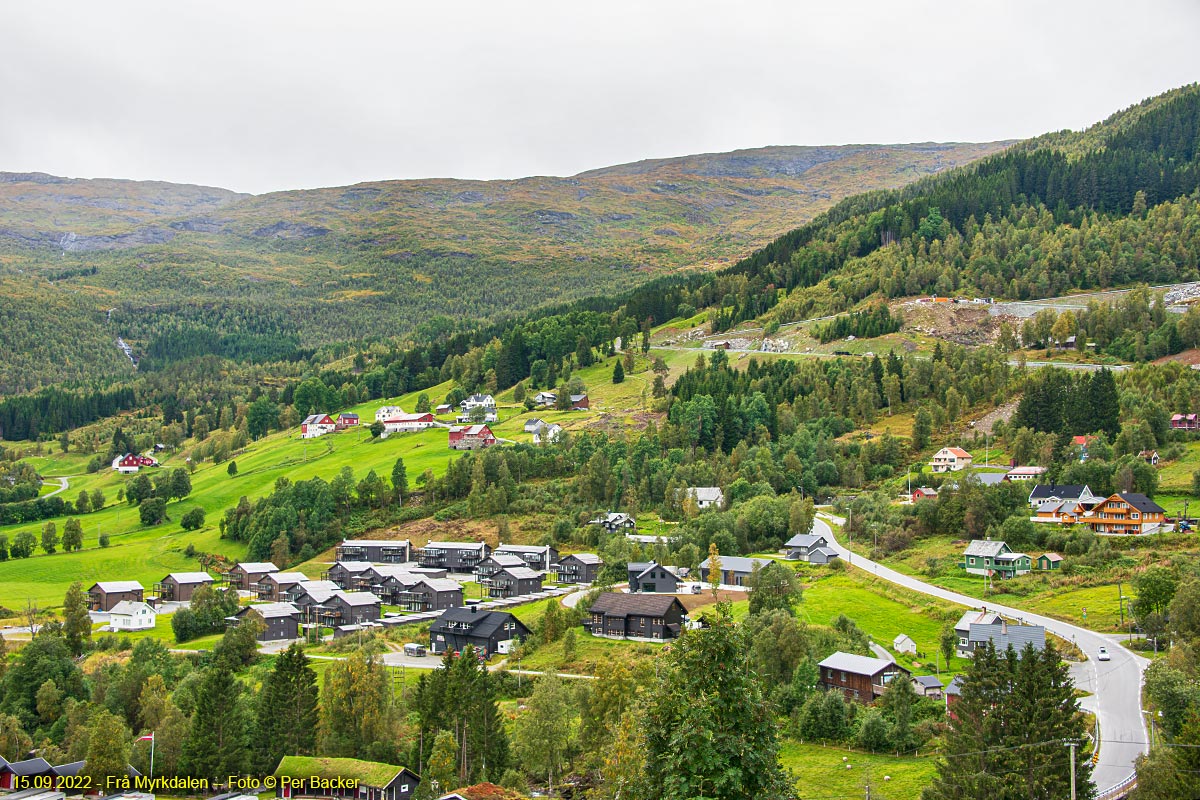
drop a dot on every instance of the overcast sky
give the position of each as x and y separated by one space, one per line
258 96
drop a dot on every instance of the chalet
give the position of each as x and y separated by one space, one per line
545 399
950 459
486 405
1049 561
541 557
131 615
962 628
346 573
311 594
859 677
346 420
316 425
387 582
453 556
1002 634
470 437
1020 474
280 621
810 547
1062 512
496 562
514 582
387 412
178 587
994 558
580 402
246 574
487 631
1044 492
1149 456
650 576
1126 513
579 568
928 685
904 644
443 409
706 497
532 425
547 434
635 616
343 779
132 462
102 596
348 608
1185 422
615 521
735 570
407 423
924 493
431 594
275 586
375 551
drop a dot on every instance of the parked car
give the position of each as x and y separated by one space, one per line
1103 654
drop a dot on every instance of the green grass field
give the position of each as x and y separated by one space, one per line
822 774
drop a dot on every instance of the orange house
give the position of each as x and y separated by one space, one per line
1126 512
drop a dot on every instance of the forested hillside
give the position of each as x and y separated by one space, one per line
190 270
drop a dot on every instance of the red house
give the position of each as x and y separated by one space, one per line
471 437
580 402
924 493
132 462
347 420
1184 422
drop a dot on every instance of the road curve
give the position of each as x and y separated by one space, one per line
1115 685
63 485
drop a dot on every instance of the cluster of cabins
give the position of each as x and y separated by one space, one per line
1120 513
34 777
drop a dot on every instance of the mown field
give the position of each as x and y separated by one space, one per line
826 773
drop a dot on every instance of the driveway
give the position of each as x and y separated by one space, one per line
1115 685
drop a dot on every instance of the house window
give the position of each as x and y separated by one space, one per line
842 677
971 560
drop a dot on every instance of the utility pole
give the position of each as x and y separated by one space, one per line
1072 746
1121 603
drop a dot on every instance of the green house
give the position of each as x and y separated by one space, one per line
988 557
1049 561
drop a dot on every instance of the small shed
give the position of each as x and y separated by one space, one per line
928 685
1049 561
904 644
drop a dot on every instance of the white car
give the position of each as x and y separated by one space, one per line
1103 655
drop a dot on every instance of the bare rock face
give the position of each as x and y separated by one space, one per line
290 230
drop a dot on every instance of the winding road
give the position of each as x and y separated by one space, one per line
1115 685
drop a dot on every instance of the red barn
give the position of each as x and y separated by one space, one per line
132 462
471 437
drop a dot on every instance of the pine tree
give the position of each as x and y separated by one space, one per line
77 623
1105 405
618 375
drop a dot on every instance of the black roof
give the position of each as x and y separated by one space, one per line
1142 503
483 623
618 604
1048 490
32 766
69 770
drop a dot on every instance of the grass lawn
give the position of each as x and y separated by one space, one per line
820 772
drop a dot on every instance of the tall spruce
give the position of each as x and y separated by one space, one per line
287 711
77 623
460 697
216 745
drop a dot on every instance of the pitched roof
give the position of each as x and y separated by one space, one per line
456 545
706 494
956 685
802 540
117 586
372 542
967 619
1051 556
1142 503
739 563
825 551
30 766
191 577
366 773
354 566
258 566
902 639
505 559
957 452
482 623
521 573
270 610
984 547
1001 634
523 548
619 604
585 558
129 607
859 665
286 577
928 681
990 478
357 598
440 584
1065 491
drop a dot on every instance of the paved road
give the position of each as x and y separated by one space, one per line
1012 361
1115 685
64 484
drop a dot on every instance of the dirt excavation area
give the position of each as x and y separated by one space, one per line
965 323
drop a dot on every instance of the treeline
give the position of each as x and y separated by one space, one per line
53 410
875 321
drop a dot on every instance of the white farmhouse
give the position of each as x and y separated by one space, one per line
129 615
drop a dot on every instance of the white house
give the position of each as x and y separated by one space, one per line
403 423
317 425
950 459
904 644
484 401
707 496
129 615
1025 473
546 433
384 413
545 398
